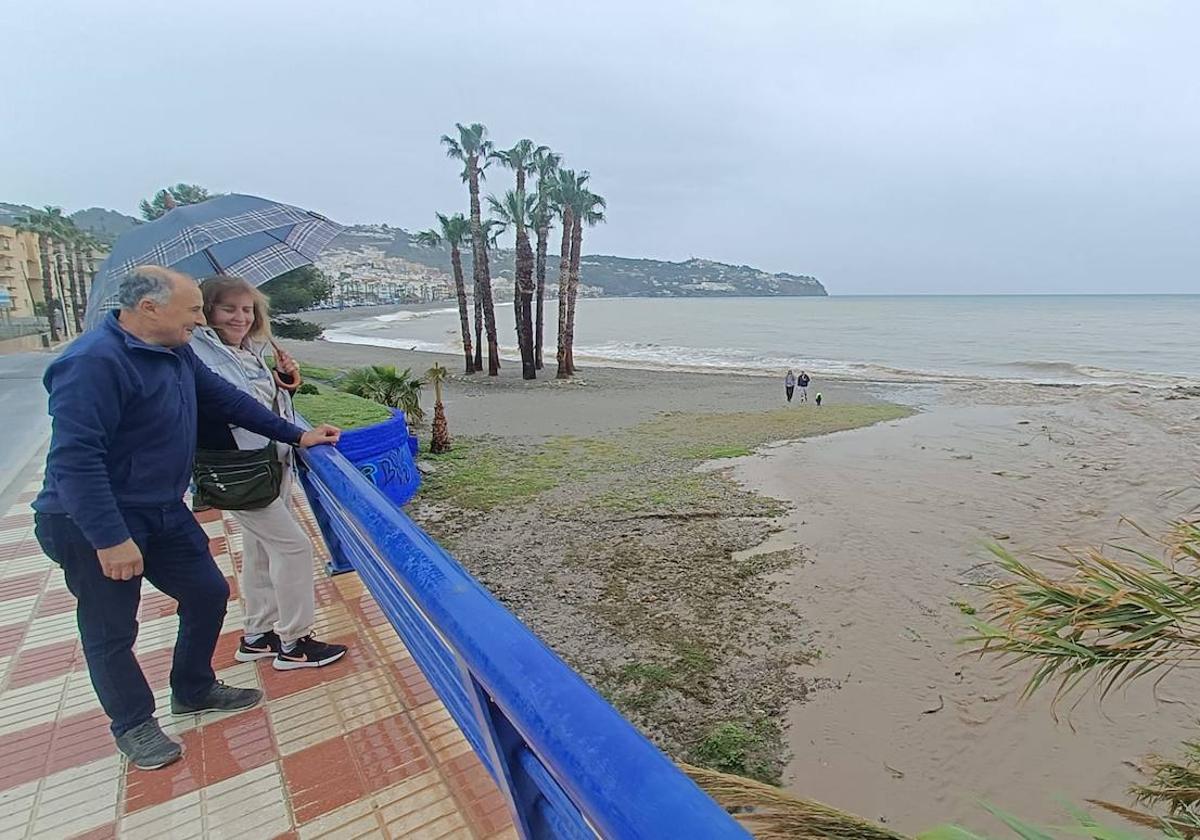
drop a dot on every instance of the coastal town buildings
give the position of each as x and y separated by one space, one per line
368 276
20 273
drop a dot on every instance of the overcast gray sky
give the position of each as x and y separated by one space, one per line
887 147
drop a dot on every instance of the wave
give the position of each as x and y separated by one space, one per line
662 356
411 315
650 355
344 337
1080 374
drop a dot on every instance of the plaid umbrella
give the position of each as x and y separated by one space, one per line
241 235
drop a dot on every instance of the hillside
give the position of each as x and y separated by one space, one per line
600 273
107 225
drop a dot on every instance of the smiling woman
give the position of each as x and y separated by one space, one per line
277 558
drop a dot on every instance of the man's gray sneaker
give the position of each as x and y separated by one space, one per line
220 698
147 747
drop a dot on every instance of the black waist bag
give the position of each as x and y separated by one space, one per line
237 479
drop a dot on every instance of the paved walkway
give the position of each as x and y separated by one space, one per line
362 748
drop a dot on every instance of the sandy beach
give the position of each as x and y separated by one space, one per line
884 530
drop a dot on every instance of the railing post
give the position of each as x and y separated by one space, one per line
501 751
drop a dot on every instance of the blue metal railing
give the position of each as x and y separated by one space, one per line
568 763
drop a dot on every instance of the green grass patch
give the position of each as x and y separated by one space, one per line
709 436
321 374
639 686
741 748
480 475
345 411
766 563
484 473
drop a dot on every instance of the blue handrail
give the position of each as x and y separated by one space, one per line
568 763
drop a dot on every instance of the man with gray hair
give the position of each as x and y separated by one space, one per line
123 400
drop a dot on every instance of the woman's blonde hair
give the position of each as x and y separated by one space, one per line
216 287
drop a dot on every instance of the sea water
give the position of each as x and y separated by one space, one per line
1149 340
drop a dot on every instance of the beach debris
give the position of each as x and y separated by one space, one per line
966 456
896 774
963 607
941 705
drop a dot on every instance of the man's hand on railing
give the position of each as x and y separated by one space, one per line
317 435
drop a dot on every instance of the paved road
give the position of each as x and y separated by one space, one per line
24 423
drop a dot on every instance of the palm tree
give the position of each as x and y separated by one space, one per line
59 230
545 164
83 244
439 438
515 212
170 198
564 196
454 231
521 159
474 149
589 210
44 224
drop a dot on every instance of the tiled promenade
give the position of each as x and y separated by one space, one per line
362 748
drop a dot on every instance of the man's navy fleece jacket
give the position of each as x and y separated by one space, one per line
124 427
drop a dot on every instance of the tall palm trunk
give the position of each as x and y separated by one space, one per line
483 280
73 279
81 277
564 283
64 294
460 289
543 234
477 295
576 245
47 284
523 301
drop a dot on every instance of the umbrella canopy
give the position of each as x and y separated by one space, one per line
242 235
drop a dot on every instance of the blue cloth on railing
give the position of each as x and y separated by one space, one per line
384 455
567 761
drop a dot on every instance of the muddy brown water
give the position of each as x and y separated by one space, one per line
893 521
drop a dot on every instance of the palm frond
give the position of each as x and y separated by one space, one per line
382 384
1113 619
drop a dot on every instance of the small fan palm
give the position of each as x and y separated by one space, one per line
382 384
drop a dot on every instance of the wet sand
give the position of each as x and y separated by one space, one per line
893 521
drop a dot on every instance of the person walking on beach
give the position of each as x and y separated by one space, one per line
803 383
277 555
123 402
789 383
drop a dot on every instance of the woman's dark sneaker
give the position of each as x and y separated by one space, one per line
147 747
307 653
220 698
265 647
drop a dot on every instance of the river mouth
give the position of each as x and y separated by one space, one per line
894 521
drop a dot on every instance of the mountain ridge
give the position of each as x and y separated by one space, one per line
600 274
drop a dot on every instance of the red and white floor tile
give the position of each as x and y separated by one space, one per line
362 748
